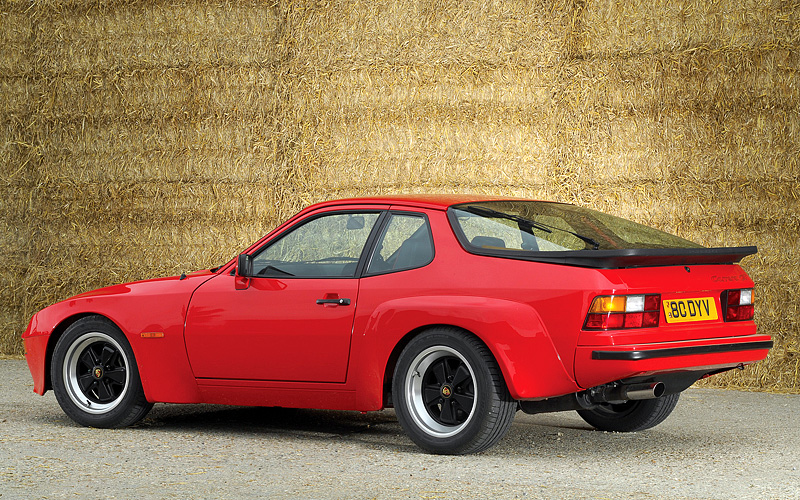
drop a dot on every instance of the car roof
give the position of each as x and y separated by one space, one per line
434 201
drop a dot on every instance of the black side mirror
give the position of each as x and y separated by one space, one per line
244 266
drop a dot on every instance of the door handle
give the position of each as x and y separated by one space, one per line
338 302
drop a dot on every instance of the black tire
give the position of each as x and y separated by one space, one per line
95 377
449 394
630 416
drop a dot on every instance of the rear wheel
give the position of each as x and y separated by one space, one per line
630 416
94 375
449 393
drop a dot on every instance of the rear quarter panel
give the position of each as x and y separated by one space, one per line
528 314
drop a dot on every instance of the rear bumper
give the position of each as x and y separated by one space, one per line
668 352
597 365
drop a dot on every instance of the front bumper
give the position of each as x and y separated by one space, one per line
36 356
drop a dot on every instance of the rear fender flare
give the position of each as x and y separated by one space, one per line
513 332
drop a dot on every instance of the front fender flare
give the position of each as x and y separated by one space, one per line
157 306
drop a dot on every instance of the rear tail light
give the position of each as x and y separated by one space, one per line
738 304
613 312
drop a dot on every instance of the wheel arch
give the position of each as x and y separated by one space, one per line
474 408
391 362
56 334
106 401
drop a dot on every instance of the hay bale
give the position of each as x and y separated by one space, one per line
150 138
681 115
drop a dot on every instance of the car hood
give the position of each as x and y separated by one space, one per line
148 286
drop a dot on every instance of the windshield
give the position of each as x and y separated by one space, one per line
550 227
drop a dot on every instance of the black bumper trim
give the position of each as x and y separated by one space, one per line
680 351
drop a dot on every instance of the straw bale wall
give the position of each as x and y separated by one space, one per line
140 139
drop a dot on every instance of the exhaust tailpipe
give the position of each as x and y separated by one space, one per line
626 392
644 391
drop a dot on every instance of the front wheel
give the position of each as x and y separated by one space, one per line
630 416
449 394
94 375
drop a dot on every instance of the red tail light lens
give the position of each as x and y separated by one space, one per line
614 312
738 304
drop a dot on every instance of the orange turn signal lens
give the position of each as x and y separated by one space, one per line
608 303
152 335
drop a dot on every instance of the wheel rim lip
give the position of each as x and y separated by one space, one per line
70 373
414 392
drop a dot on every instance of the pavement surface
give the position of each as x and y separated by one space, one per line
716 445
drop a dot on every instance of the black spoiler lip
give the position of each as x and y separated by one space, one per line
626 258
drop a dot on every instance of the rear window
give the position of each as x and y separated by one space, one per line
537 226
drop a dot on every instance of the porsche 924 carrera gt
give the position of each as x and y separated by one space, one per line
457 311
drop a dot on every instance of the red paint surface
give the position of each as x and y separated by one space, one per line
266 342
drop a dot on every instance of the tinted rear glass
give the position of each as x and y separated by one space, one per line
547 227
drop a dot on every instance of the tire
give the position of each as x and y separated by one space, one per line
630 416
95 377
449 394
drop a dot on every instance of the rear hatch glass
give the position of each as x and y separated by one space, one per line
567 234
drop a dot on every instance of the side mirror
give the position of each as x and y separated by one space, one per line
244 267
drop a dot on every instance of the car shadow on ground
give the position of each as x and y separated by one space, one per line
539 434
544 434
379 427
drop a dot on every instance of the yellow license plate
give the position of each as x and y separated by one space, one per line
685 310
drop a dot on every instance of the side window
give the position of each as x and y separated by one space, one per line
327 246
404 244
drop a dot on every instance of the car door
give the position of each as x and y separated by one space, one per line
293 318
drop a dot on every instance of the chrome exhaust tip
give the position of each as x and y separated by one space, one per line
619 393
643 391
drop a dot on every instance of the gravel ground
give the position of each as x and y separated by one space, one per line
716 445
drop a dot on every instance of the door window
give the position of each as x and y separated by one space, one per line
326 246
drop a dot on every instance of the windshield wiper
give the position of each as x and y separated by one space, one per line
488 212
528 223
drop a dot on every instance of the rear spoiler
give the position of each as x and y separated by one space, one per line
625 258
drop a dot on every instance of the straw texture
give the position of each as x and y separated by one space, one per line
140 139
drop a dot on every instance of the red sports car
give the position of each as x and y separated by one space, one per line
455 310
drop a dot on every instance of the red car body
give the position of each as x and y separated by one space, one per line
223 337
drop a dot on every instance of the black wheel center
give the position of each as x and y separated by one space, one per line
97 372
446 391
